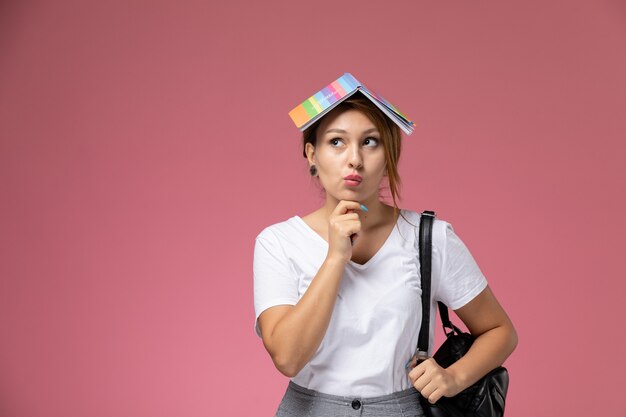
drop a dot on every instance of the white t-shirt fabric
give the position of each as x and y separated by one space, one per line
377 316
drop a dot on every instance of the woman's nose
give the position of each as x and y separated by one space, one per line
356 162
355 158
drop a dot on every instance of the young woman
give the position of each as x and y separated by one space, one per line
337 291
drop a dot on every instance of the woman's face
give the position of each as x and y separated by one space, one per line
348 143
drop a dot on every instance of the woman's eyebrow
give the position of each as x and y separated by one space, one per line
343 131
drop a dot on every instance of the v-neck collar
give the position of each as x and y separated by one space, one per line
374 257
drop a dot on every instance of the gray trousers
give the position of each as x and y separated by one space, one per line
302 402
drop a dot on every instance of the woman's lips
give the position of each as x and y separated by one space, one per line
352 183
353 180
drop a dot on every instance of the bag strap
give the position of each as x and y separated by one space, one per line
425 251
445 320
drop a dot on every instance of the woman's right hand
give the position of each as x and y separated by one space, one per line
343 222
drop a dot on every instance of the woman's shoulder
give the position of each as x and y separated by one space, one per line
414 217
282 230
440 231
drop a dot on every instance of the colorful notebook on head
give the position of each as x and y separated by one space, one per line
320 103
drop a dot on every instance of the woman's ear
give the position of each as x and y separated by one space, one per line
310 153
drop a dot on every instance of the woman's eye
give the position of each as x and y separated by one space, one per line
369 140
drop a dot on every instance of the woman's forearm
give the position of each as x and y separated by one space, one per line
488 351
299 333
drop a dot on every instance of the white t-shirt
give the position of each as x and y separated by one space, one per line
375 324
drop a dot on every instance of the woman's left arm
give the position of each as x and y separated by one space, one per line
495 341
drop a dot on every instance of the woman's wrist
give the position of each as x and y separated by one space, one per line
335 261
459 376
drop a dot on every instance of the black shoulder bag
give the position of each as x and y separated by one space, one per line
487 396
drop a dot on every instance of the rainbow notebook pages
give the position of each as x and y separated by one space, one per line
320 103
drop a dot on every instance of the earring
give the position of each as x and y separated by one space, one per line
313 170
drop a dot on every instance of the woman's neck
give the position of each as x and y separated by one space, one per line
377 214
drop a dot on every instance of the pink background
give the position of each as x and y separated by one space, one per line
143 147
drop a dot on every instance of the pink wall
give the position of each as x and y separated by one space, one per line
144 146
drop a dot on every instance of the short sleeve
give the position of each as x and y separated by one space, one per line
461 279
275 283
